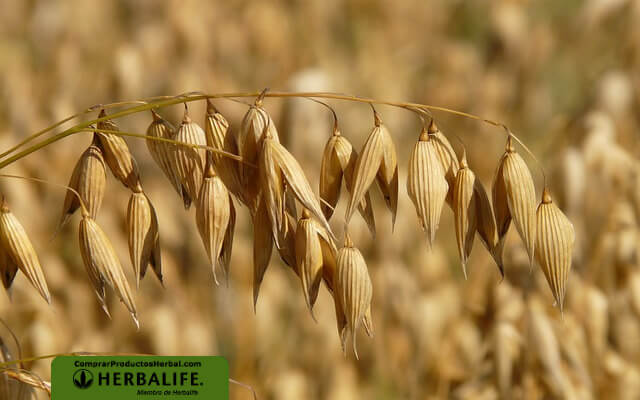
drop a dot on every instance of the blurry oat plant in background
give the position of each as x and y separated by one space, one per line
217 168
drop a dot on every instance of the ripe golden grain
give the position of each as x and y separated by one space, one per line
308 259
117 154
447 157
213 214
188 162
377 160
272 187
465 210
20 252
8 270
143 236
103 266
162 152
354 288
426 184
514 196
486 226
554 246
89 179
338 162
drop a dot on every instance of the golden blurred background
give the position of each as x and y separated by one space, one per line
565 77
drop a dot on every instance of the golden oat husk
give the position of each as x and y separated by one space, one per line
272 187
17 246
308 259
117 154
377 160
162 152
486 226
513 187
287 240
338 161
213 214
248 140
554 245
188 162
447 158
464 211
89 179
143 235
296 181
103 266
353 287
387 176
262 247
426 184
216 128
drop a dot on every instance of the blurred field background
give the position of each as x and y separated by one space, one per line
565 77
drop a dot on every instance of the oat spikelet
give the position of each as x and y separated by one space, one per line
143 235
514 186
338 161
554 245
377 160
486 225
447 158
353 287
162 152
248 140
216 128
464 211
227 245
426 184
308 259
89 179
188 162
272 186
103 266
295 180
262 248
20 252
213 214
287 240
117 154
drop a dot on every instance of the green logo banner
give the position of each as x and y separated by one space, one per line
139 377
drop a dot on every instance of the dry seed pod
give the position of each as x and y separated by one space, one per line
18 248
117 154
248 139
514 196
287 240
188 162
272 187
89 179
308 259
464 210
144 238
377 160
162 152
486 226
554 243
353 286
103 266
426 184
295 180
262 247
213 214
447 157
338 161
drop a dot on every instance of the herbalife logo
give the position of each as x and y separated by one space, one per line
82 378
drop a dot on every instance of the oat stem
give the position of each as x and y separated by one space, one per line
163 101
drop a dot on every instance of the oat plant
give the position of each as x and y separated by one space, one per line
220 168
